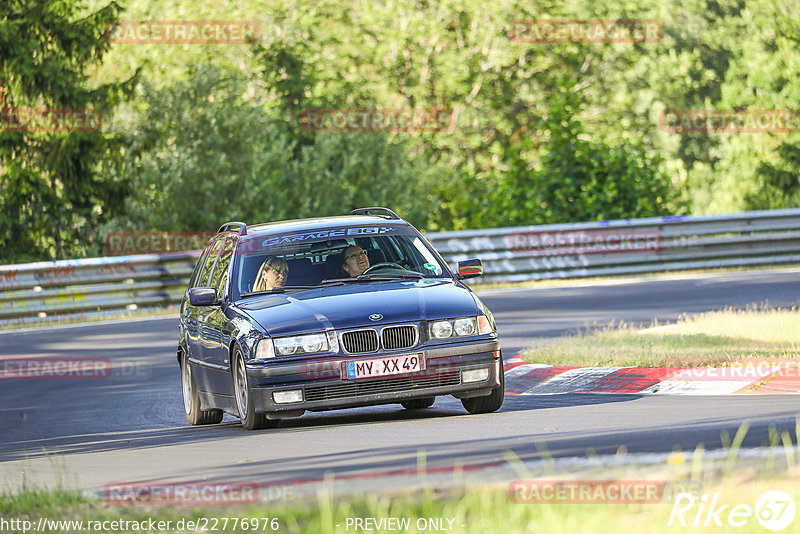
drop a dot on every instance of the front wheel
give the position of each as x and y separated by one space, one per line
191 399
244 397
489 403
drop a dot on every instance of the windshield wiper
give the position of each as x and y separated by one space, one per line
387 276
339 281
276 290
372 278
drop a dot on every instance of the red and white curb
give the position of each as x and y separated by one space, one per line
523 378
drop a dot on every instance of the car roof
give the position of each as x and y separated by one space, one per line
318 223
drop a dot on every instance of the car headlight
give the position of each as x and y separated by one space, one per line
441 329
313 343
286 346
306 344
460 327
465 327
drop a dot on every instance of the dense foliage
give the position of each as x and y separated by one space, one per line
55 186
544 132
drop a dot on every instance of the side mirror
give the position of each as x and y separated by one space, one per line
203 296
470 268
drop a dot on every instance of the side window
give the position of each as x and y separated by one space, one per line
202 281
220 276
198 267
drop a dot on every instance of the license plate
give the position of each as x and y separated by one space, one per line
391 365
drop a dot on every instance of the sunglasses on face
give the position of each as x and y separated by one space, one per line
263 274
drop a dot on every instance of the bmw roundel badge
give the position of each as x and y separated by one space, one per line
375 317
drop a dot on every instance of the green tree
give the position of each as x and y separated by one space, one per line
778 183
522 151
577 179
203 153
55 187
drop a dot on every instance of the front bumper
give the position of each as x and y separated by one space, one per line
324 388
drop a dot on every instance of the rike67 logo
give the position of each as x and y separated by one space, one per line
774 510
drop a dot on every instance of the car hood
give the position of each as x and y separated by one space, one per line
349 306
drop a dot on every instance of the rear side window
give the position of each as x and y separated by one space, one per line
211 259
198 267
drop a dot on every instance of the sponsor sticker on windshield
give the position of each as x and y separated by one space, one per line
325 234
359 231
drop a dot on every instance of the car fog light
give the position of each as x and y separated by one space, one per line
285 397
475 375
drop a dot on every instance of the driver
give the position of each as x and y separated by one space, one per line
355 260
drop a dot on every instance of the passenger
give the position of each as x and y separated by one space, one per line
355 260
271 274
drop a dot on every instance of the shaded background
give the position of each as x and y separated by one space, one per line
197 134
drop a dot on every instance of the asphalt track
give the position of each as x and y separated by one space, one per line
130 427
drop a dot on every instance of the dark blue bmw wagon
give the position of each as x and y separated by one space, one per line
327 313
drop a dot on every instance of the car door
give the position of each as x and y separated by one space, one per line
218 326
203 374
190 326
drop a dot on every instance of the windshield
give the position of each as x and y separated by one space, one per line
309 259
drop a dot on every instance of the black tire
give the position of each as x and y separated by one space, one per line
244 397
191 399
489 403
418 404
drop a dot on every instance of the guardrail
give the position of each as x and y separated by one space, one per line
46 291
629 246
54 290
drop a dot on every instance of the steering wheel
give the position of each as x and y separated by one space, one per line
384 264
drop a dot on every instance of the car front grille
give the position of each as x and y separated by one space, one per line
360 341
392 337
362 388
399 337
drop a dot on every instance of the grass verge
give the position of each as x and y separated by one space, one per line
481 511
711 339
